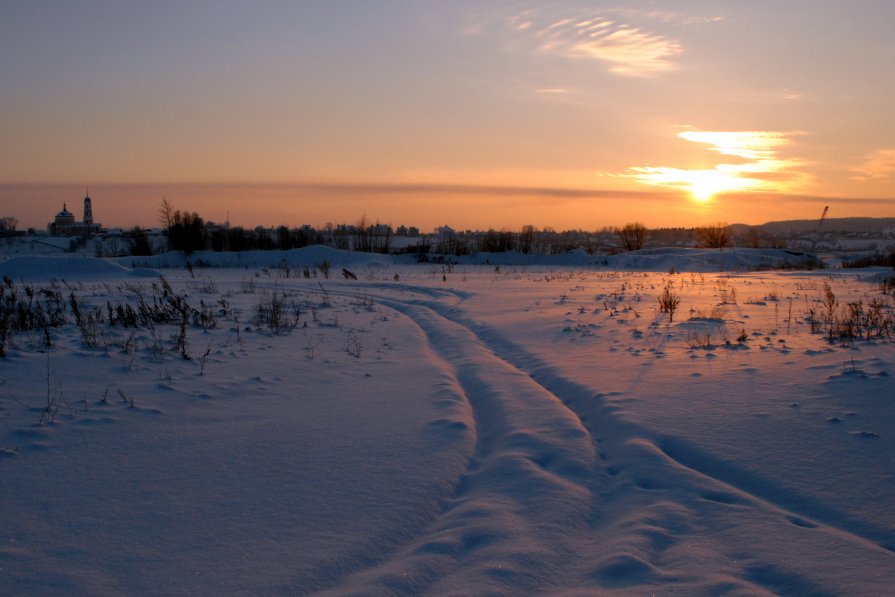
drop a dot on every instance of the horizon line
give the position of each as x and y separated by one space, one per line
468 189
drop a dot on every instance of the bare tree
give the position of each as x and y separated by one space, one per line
632 236
526 239
363 236
758 238
714 236
381 237
753 237
166 213
8 224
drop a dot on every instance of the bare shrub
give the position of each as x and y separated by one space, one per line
846 323
354 346
829 303
206 316
714 236
695 340
273 312
632 236
203 359
669 301
88 321
183 312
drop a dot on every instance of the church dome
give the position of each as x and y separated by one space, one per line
64 213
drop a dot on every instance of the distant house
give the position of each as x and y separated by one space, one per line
380 230
64 223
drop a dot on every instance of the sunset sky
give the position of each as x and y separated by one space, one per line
468 113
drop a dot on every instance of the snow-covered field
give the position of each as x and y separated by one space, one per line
534 427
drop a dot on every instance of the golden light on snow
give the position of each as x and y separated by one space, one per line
756 166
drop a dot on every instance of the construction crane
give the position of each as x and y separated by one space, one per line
820 223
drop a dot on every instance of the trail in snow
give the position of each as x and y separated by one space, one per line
546 446
684 453
519 513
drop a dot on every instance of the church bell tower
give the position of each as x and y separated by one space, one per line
88 211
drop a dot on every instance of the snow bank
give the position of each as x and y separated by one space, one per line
576 258
706 260
36 267
311 256
68 266
682 260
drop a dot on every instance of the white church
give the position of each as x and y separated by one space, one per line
65 225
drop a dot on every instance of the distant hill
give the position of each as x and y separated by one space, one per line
829 225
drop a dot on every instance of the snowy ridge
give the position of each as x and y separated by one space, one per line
658 260
35 267
705 260
312 257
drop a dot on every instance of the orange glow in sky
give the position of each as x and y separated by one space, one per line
562 114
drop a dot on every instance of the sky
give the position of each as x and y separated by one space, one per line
567 114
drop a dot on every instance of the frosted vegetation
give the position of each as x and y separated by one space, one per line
319 421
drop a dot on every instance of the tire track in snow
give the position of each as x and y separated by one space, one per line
616 547
520 511
737 485
625 535
649 494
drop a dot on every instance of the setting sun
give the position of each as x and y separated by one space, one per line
756 166
708 183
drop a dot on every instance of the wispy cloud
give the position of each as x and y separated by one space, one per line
792 95
552 91
628 50
879 165
667 16
758 168
626 41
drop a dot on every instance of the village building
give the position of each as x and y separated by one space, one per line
64 224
